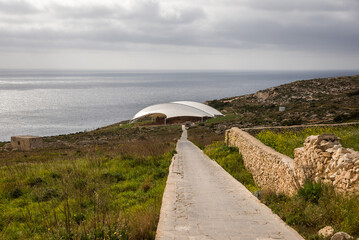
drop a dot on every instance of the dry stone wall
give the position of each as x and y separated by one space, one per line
324 159
321 159
271 170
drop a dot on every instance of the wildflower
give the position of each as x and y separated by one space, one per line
115 233
48 229
75 215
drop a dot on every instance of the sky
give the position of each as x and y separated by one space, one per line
179 35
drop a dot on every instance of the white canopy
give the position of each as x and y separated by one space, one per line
202 107
178 109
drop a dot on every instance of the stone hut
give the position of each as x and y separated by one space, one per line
26 143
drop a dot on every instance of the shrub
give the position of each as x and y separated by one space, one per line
35 181
16 193
310 192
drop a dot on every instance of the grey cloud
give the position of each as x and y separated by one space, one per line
144 12
84 12
110 27
109 37
103 24
305 5
303 31
188 16
17 7
311 37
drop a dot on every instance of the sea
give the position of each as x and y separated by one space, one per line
54 102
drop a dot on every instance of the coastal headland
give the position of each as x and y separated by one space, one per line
108 183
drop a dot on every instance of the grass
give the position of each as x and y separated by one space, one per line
230 159
285 142
315 206
223 119
101 191
204 134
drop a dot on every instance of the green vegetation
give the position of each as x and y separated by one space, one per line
326 100
204 135
87 191
108 183
222 119
230 159
286 141
315 206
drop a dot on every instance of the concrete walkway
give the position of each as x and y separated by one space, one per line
202 201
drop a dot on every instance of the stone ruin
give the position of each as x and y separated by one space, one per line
324 159
26 143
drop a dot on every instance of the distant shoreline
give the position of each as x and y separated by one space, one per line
52 103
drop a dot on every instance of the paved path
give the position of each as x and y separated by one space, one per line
202 201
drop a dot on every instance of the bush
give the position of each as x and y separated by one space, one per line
35 181
16 193
310 192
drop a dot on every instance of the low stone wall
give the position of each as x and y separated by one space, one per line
321 159
271 170
255 130
324 159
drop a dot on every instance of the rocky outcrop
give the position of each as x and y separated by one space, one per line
321 159
326 100
341 236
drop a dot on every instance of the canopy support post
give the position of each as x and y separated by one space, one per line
165 121
201 119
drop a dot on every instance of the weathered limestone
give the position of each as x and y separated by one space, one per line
324 159
326 232
321 159
26 143
271 170
341 236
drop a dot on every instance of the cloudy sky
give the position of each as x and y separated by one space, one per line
179 34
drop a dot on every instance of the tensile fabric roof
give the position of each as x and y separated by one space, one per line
202 107
179 109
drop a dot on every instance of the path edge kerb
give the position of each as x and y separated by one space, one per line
169 193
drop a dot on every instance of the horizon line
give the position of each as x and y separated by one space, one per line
172 70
